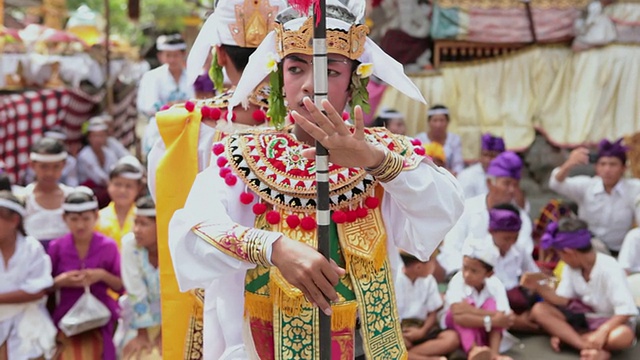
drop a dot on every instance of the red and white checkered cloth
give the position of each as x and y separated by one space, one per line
24 116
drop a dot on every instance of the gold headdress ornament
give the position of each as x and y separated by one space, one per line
348 43
254 20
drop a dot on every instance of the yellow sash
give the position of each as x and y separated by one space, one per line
175 173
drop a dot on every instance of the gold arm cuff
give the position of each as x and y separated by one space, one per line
390 167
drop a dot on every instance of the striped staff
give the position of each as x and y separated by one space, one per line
320 88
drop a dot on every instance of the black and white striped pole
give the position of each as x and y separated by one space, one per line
323 214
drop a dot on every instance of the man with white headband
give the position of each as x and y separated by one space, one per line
187 134
165 85
249 224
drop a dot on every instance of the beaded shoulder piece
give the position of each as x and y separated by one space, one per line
271 164
259 97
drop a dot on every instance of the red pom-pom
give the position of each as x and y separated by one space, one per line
273 217
351 216
218 148
259 208
246 198
259 116
226 114
308 223
419 150
205 111
224 172
345 116
230 179
339 217
165 107
222 161
416 142
293 221
372 202
362 212
292 119
189 105
215 113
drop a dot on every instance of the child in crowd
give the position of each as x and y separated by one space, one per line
436 152
69 172
26 331
96 160
45 196
85 258
141 280
477 305
418 304
392 120
514 261
125 182
592 309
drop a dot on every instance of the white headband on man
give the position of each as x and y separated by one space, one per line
14 206
390 114
134 162
145 212
439 111
48 158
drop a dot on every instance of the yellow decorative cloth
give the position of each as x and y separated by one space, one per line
109 225
176 172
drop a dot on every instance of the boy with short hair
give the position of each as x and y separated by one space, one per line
418 301
592 309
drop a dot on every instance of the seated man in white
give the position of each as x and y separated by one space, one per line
607 201
503 177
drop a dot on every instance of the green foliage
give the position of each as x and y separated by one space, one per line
359 94
165 16
216 75
277 110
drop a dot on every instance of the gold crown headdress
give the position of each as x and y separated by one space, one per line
254 20
349 43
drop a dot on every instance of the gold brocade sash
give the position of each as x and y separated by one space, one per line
179 166
279 312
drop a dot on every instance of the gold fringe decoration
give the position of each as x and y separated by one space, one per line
344 315
258 307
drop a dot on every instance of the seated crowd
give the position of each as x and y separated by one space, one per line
88 234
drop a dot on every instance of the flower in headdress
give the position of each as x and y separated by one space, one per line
272 63
364 70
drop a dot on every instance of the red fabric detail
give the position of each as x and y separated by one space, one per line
293 221
339 217
190 106
273 217
205 111
246 198
218 148
230 179
361 212
215 113
222 161
259 116
308 223
372 202
351 216
224 172
259 208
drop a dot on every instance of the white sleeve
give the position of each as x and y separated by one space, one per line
148 96
71 178
133 280
455 290
499 293
153 159
38 270
91 169
457 161
565 287
629 256
197 263
525 240
434 300
450 257
573 187
620 293
420 206
116 146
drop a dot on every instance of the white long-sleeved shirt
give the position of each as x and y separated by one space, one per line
610 216
158 87
89 167
425 200
474 223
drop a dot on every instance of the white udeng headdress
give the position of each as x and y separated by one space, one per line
482 249
384 66
242 23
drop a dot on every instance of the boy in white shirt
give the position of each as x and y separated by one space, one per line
477 305
418 301
592 309
513 262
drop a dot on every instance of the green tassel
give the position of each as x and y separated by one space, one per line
277 111
215 74
359 94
